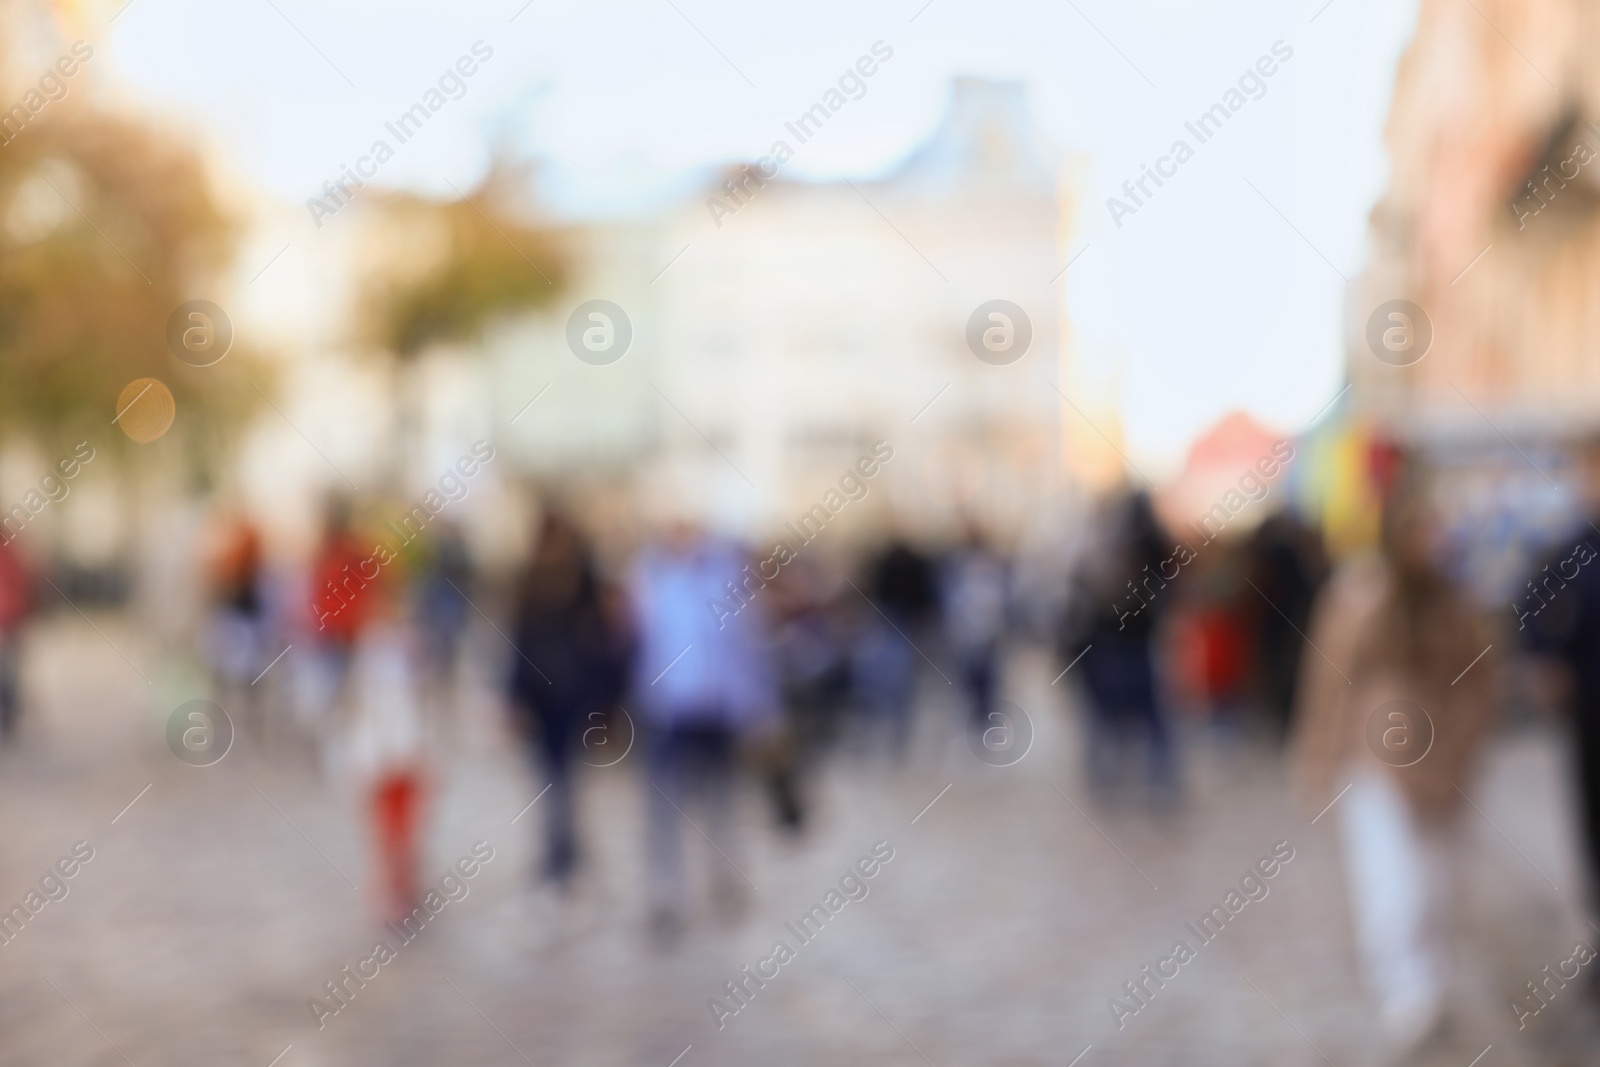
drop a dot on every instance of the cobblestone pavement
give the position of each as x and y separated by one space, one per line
221 901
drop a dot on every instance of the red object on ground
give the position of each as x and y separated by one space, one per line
396 818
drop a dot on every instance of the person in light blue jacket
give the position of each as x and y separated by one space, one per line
703 680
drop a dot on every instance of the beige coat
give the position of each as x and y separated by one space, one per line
1355 668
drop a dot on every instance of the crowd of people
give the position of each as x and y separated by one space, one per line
726 666
727 671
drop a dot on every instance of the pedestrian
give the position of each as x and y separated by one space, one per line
1381 719
1287 566
1210 640
388 753
810 654
347 590
884 665
1120 595
974 606
703 685
442 587
568 668
15 604
237 625
1558 616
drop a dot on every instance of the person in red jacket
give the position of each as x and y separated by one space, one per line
344 577
346 587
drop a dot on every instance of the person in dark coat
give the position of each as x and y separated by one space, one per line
1558 615
1287 565
568 667
1120 595
904 592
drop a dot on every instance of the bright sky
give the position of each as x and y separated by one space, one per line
1209 296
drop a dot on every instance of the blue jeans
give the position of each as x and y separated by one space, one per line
691 773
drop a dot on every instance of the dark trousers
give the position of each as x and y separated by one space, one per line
980 676
552 735
1109 728
10 669
1587 754
1120 684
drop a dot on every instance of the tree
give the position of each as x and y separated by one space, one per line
105 228
450 267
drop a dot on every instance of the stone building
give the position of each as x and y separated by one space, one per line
781 326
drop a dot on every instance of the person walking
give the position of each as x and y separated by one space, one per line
1382 719
974 601
347 589
15 605
1285 562
568 667
1558 617
811 661
1118 602
884 666
441 587
388 752
704 683
237 624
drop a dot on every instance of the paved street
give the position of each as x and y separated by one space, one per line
221 901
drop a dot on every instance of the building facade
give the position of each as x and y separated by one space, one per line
781 327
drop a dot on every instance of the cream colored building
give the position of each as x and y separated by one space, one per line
771 350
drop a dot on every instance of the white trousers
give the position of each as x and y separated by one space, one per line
1401 875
